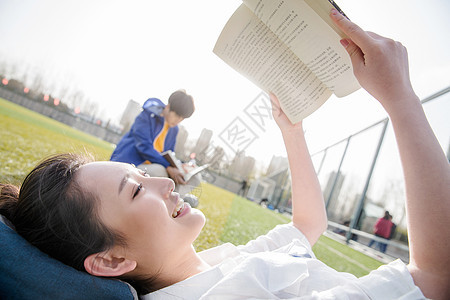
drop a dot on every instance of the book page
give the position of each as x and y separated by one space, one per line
170 156
194 172
310 38
251 48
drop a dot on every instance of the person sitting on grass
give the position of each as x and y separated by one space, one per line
153 132
112 220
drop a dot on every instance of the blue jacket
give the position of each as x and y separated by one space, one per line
136 146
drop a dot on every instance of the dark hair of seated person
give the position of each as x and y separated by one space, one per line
53 212
181 103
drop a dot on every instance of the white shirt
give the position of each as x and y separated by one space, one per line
281 265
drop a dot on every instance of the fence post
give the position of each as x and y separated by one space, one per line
360 206
282 184
322 161
337 174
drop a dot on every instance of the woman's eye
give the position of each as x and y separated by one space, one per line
138 189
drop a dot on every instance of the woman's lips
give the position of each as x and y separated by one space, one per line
184 210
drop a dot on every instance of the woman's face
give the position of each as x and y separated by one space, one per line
155 222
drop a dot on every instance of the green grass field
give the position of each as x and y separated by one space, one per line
27 137
233 219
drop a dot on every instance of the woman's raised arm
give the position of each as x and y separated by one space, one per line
381 66
308 207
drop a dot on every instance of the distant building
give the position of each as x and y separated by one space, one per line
241 166
236 164
274 187
247 167
131 111
276 164
261 188
215 158
203 142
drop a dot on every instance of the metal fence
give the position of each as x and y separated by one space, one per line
361 176
102 132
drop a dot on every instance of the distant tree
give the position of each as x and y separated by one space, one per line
24 75
64 94
11 70
77 99
15 86
2 68
91 108
37 83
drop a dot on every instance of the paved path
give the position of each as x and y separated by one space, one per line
392 253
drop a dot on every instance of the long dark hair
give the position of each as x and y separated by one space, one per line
55 214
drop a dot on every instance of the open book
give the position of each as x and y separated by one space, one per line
290 48
188 172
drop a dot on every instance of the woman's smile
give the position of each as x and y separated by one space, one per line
144 209
181 209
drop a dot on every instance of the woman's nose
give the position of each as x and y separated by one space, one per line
164 185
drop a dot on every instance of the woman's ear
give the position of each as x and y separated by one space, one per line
107 265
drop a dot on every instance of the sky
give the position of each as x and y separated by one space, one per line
115 51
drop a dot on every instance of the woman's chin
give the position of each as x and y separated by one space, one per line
194 219
194 212
200 215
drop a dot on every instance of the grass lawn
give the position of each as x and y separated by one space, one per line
233 219
26 137
343 258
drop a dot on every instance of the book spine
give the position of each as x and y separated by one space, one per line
338 8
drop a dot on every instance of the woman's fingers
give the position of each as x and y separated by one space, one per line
276 109
353 31
358 39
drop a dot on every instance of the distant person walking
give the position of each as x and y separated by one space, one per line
243 188
382 228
